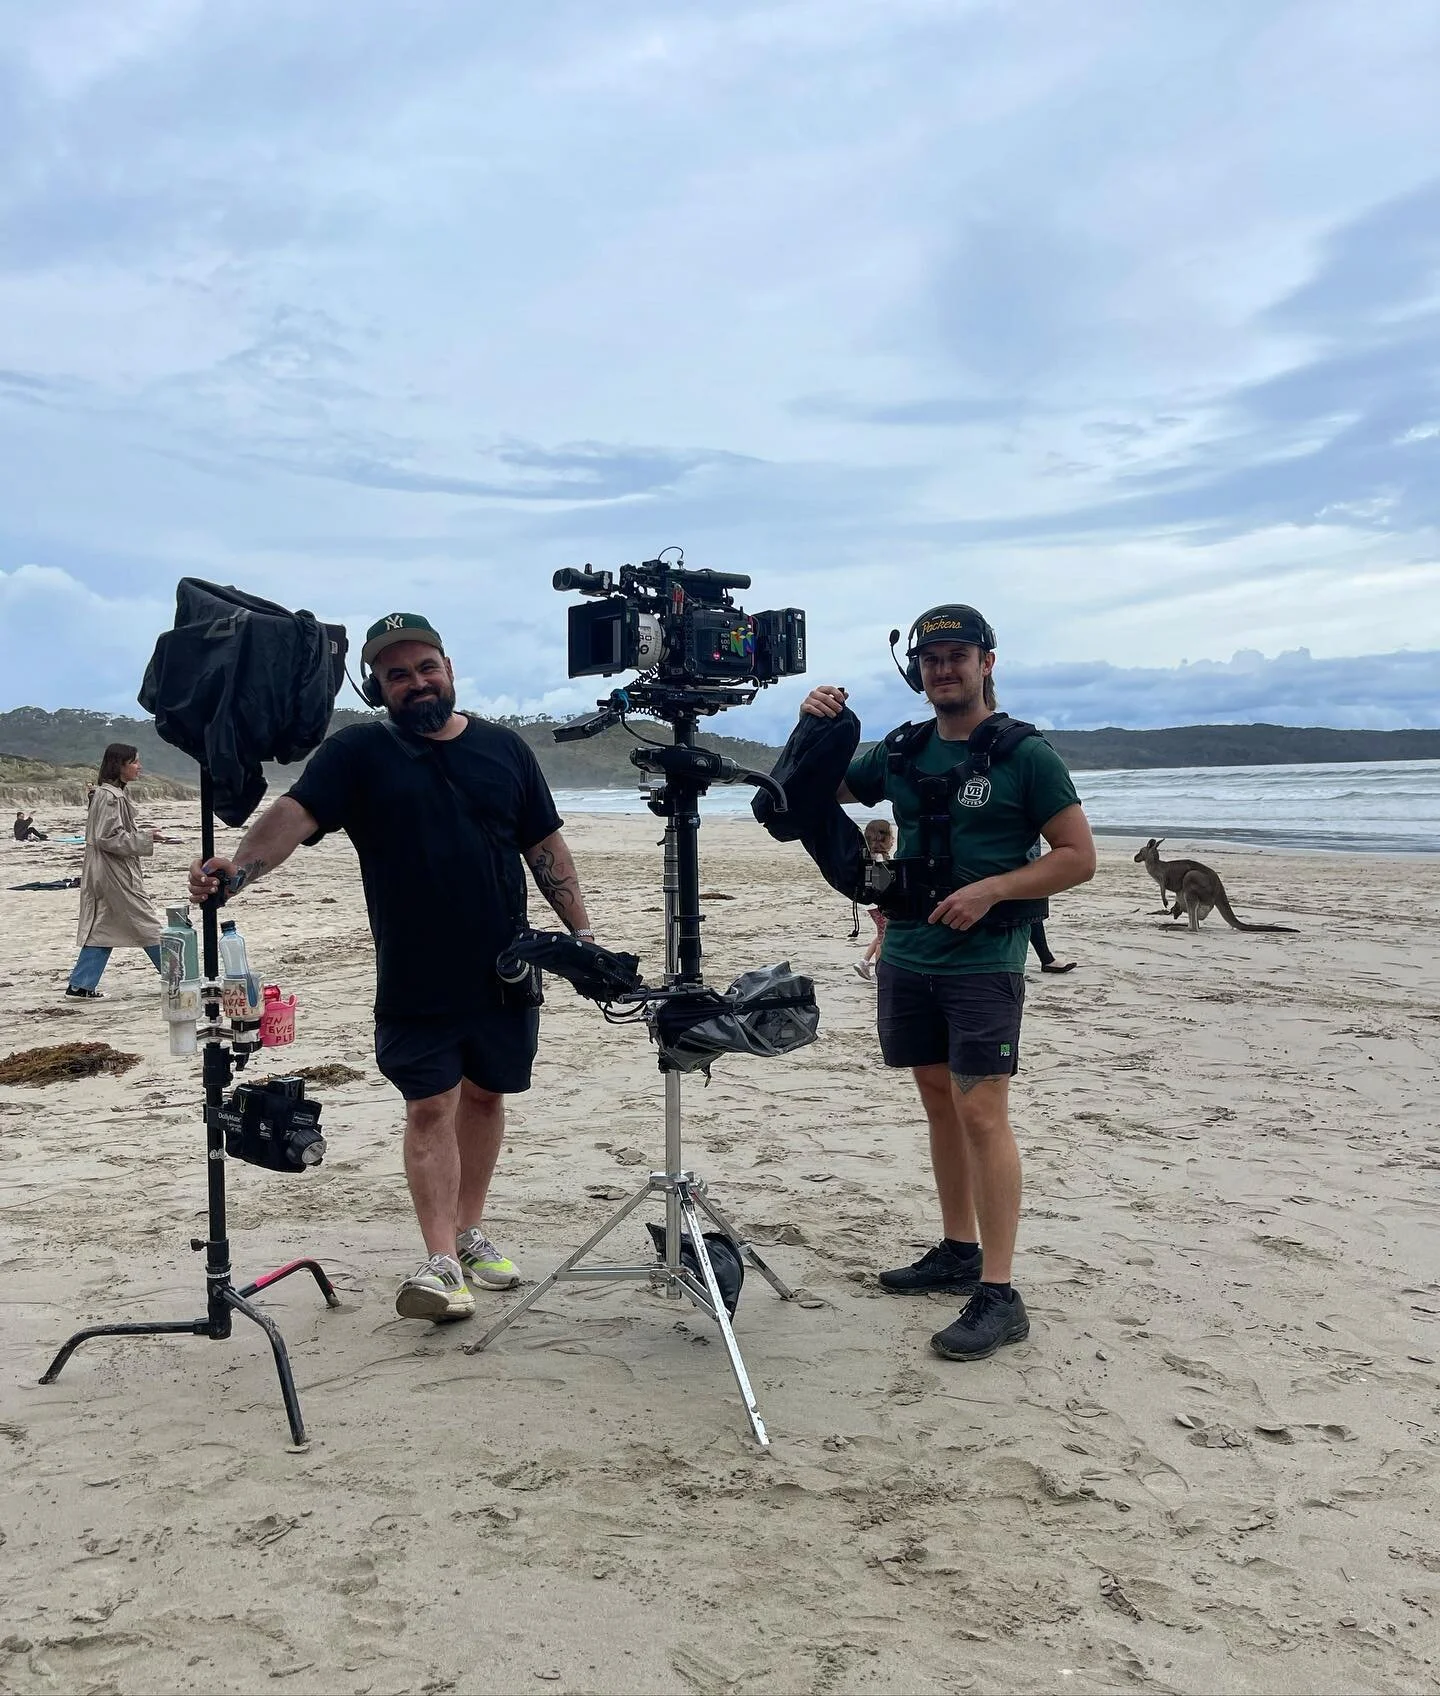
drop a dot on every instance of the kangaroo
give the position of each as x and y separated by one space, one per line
1197 890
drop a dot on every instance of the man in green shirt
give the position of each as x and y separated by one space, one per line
951 986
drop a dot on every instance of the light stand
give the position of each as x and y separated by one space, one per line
222 1299
687 773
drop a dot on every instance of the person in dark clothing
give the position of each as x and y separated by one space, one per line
25 830
445 811
1037 929
1048 962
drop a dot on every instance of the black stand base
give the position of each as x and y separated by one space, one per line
225 1299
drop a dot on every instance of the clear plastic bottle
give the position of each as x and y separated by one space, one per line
243 1003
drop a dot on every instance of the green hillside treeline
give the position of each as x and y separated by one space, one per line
73 738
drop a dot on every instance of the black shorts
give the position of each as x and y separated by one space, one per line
494 1048
969 1021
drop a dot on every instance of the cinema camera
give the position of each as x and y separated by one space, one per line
682 631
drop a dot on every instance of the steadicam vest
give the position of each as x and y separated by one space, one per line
925 879
811 769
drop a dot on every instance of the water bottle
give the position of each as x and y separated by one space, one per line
180 979
242 999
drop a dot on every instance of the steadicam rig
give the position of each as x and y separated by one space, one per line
698 654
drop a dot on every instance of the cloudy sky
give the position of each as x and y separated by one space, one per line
1119 318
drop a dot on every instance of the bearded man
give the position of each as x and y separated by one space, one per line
444 811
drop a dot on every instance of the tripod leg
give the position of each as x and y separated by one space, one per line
508 1318
234 1299
327 1289
142 1328
722 1319
773 1278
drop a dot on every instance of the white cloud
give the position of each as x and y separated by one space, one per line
64 645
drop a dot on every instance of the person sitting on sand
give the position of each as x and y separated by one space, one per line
879 839
115 911
25 830
444 811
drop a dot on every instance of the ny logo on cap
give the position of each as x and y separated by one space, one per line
395 621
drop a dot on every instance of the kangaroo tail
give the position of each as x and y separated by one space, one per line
1227 912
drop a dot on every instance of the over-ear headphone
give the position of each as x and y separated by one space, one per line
370 687
951 622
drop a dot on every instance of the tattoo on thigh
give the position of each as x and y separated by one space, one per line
965 1082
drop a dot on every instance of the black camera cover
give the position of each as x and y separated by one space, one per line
239 681
811 768
768 1010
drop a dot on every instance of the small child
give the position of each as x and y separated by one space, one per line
879 837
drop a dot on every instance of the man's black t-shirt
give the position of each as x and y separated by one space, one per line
441 860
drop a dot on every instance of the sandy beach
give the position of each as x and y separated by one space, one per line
1212 1467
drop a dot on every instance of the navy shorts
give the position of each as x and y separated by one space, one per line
968 1021
494 1048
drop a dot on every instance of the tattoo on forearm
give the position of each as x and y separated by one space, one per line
560 887
246 873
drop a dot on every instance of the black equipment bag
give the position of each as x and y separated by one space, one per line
239 681
725 1261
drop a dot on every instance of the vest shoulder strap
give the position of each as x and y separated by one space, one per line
996 739
903 744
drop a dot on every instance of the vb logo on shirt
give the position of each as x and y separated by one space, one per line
975 793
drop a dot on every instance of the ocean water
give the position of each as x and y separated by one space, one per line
1386 807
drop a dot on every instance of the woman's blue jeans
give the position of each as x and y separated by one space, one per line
90 967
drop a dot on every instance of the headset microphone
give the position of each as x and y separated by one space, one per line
910 672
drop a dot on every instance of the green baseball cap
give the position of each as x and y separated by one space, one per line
398 627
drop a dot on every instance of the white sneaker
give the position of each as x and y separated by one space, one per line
483 1263
437 1291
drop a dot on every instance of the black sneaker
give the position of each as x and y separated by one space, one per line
939 1268
989 1321
84 994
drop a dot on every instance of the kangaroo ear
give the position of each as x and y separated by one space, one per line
1155 841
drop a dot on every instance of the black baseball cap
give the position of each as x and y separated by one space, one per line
953 622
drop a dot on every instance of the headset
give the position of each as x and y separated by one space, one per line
966 617
368 688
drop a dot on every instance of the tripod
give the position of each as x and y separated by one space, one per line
687 773
222 1299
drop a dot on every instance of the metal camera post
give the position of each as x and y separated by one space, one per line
686 772
222 1298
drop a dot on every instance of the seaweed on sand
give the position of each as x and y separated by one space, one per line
63 1062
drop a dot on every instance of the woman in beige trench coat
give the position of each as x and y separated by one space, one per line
115 911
